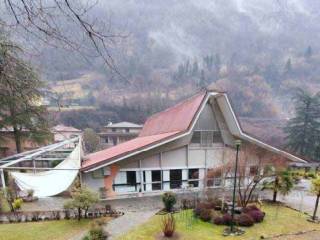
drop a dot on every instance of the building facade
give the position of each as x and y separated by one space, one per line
116 133
62 132
179 148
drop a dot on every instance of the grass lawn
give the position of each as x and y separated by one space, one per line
278 220
46 230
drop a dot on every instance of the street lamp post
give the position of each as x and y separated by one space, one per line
237 143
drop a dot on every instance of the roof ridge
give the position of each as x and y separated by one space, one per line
178 104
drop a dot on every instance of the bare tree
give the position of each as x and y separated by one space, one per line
45 21
255 164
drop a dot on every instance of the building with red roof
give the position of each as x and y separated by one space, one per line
178 148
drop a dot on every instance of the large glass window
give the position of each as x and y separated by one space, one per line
175 178
131 178
196 137
193 176
156 180
206 137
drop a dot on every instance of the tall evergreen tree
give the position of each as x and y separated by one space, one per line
288 67
303 130
308 52
195 68
20 97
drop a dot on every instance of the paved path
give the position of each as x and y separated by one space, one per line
127 222
301 198
136 212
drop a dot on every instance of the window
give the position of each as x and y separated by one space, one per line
217 138
206 137
127 130
131 178
156 180
214 178
175 178
193 176
115 140
113 129
193 173
106 140
196 137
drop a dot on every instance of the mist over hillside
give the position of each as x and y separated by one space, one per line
257 50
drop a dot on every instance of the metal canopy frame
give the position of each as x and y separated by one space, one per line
53 152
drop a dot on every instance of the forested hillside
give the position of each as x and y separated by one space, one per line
257 51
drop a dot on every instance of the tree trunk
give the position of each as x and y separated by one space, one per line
79 214
275 191
17 139
316 208
86 212
275 194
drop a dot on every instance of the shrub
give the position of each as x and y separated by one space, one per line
245 220
216 203
250 208
96 232
197 211
187 203
169 200
168 225
201 206
256 215
227 219
218 221
17 203
205 215
311 175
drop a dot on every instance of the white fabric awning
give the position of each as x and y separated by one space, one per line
52 182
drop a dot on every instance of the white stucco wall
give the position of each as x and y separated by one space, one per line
197 157
175 158
151 162
93 183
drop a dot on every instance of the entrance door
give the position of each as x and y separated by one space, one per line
175 178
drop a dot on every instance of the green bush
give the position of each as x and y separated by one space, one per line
169 200
17 203
96 232
312 175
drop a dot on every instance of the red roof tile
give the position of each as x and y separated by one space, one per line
177 118
119 150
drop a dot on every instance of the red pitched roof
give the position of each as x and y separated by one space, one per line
109 154
159 127
177 118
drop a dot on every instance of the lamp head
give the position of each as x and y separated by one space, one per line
237 143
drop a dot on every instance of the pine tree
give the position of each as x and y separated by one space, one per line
288 67
195 68
217 62
308 52
20 96
303 130
203 81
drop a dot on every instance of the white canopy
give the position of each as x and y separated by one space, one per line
52 182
